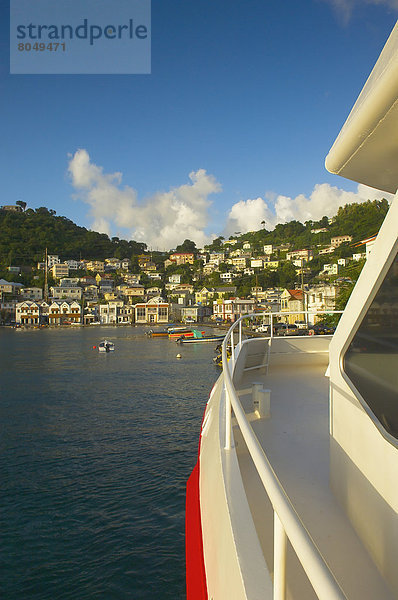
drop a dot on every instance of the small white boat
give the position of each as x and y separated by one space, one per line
106 346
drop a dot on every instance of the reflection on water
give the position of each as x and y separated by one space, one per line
95 452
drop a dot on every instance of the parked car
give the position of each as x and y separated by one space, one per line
279 328
263 328
286 329
321 329
292 329
301 324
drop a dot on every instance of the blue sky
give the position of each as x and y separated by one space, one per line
231 127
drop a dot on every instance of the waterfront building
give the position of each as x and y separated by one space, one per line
195 313
7 308
27 313
232 309
108 312
154 311
64 313
90 314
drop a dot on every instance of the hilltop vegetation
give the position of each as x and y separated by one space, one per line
358 220
25 235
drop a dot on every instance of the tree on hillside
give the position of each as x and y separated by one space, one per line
21 203
287 275
360 219
186 246
216 244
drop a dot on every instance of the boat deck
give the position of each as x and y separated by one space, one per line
296 441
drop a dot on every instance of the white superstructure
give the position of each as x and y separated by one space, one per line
299 443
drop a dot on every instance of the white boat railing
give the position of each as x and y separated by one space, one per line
287 523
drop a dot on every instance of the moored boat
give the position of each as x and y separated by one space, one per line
184 334
106 346
203 339
294 493
157 333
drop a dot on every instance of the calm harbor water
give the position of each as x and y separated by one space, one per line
95 451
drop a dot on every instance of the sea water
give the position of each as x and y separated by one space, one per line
95 451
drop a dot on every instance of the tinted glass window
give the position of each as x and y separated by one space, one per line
371 361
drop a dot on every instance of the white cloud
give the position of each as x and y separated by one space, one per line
247 215
345 8
162 221
167 218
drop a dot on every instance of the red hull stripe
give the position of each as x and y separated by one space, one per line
195 568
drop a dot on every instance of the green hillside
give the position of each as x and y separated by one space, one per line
25 236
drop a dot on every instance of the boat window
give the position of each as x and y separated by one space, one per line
371 359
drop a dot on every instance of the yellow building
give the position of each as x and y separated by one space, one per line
95 265
292 302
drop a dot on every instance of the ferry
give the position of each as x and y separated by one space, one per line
294 494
